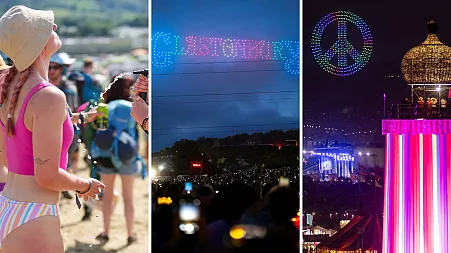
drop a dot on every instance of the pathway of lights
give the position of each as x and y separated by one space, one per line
342 49
166 46
338 130
344 214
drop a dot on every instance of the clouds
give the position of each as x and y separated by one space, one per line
199 115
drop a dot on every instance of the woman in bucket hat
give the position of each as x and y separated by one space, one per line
35 136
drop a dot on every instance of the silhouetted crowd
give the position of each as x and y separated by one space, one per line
238 211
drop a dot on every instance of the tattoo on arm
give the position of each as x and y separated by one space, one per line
40 161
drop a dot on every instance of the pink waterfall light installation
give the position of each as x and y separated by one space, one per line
417 186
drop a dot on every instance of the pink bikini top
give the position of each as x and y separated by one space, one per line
19 148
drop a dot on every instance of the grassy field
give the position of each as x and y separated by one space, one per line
79 236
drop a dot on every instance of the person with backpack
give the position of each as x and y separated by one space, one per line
89 91
115 152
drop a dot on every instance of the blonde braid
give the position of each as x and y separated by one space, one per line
9 122
6 76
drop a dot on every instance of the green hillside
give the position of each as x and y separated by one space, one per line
89 17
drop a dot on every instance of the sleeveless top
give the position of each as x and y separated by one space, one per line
19 148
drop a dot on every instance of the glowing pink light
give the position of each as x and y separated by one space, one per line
417 186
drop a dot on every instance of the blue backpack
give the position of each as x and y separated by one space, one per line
120 141
90 90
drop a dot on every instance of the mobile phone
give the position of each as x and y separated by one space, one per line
143 96
188 186
144 72
284 181
189 213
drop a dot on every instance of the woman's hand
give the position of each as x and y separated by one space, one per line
140 110
141 84
93 114
96 187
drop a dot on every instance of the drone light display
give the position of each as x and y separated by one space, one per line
342 48
167 46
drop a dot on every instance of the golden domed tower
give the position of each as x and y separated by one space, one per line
428 63
417 193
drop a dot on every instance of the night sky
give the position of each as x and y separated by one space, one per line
176 114
396 27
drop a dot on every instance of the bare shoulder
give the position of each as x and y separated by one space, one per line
49 100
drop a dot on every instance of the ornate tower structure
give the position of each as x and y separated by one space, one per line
417 203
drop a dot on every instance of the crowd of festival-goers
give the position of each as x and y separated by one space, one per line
239 211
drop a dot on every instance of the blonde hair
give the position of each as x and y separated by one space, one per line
6 77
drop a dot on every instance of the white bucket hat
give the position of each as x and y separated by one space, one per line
24 32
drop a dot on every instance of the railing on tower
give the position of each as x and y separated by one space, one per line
411 111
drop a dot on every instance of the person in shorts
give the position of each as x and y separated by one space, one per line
118 96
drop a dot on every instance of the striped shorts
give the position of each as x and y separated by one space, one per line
14 213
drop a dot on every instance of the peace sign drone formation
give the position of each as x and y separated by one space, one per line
349 59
